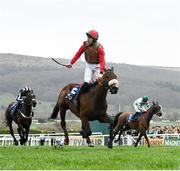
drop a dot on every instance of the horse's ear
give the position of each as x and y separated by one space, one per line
112 69
157 102
153 102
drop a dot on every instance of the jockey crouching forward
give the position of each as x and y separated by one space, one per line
21 97
95 63
141 105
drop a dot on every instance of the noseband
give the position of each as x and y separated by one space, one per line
29 103
113 82
109 83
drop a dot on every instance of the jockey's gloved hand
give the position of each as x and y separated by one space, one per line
100 75
69 65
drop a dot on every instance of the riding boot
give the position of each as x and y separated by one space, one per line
82 90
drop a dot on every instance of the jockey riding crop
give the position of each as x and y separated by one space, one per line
59 62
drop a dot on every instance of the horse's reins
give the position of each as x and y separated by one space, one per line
99 81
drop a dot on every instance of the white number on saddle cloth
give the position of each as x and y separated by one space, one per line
74 90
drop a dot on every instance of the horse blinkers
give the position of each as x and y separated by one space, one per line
31 99
110 81
34 102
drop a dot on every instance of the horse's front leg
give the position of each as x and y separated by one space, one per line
139 138
86 130
20 135
21 132
147 140
26 134
106 119
89 142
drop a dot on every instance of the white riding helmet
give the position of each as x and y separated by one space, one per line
28 89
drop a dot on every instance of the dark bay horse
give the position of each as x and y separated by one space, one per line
92 105
141 125
23 118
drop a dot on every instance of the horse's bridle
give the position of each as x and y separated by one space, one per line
108 84
30 103
158 112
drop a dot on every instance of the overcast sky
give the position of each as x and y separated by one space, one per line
140 32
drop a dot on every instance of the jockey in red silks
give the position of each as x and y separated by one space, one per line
95 62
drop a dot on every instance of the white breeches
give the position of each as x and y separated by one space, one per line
92 72
137 109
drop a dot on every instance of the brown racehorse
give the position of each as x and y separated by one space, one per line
23 118
141 125
92 105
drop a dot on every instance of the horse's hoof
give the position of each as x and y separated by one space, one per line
66 141
21 142
16 143
90 145
110 145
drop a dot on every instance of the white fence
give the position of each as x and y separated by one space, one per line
97 139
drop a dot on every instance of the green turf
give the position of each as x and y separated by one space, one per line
100 158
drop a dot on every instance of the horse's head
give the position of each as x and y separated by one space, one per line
109 78
157 109
31 99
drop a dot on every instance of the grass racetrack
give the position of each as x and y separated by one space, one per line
84 158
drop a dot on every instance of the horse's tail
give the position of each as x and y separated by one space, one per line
116 119
55 111
6 118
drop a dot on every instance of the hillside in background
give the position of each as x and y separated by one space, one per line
47 79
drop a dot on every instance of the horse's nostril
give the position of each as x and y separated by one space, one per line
114 90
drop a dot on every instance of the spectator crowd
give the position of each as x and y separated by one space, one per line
164 130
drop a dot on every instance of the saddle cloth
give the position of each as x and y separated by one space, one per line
13 109
134 116
74 91
130 116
